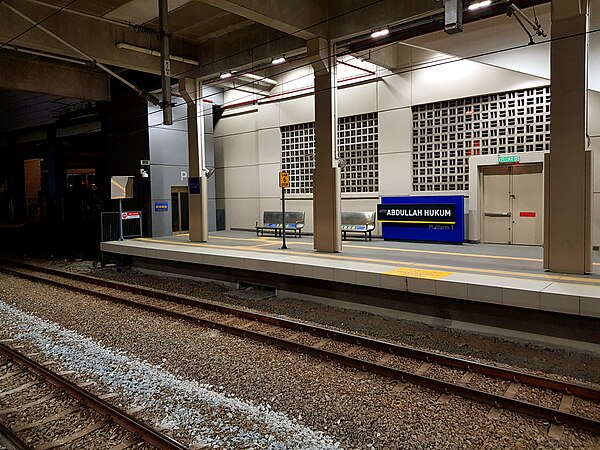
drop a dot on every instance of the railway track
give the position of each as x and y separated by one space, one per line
59 413
558 402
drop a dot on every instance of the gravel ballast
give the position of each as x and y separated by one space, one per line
329 404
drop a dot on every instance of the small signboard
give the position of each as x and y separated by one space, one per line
194 185
130 215
161 206
284 179
508 159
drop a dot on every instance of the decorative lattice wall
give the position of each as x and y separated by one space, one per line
357 144
446 134
298 156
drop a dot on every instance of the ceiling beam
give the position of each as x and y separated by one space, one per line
96 38
37 75
245 49
306 19
360 17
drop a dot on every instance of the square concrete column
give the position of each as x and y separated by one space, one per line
568 174
191 90
326 176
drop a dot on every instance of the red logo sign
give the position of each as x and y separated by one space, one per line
130 215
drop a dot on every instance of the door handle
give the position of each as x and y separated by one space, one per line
497 214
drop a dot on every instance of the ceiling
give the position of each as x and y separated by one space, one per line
207 37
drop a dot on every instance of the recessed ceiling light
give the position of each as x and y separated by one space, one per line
225 75
278 60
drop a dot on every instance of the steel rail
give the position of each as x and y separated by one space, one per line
10 440
500 401
104 408
580 390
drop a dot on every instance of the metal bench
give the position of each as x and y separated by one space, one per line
358 222
272 220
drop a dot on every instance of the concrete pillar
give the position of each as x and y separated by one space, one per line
191 90
567 191
326 177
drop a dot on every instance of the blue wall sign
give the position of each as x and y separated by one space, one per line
194 185
161 206
429 218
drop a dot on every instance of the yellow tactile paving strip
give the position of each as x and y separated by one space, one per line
341 257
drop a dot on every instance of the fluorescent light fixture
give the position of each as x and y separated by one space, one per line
379 33
147 51
278 60
259 78
225 75
477 5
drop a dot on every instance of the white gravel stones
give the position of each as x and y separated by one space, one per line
211 416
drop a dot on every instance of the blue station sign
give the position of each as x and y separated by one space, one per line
428 218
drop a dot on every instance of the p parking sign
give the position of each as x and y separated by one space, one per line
284 179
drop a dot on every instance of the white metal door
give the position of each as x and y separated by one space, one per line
527 195
496 205
513 204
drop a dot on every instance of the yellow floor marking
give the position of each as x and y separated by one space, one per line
418 273
460 269
264 245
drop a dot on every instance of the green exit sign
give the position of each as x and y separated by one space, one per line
508 159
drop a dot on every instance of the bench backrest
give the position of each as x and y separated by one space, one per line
290 217
358 218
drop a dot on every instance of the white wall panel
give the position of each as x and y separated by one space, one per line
269 180
594 59
269 146
240 182
268 115
241 213
296 79
357 100
242 123
394 91
531 60
299 110
239 150
218 146
594 113
395 174
595 146
395 131
465 79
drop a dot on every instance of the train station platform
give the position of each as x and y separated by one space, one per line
471 286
